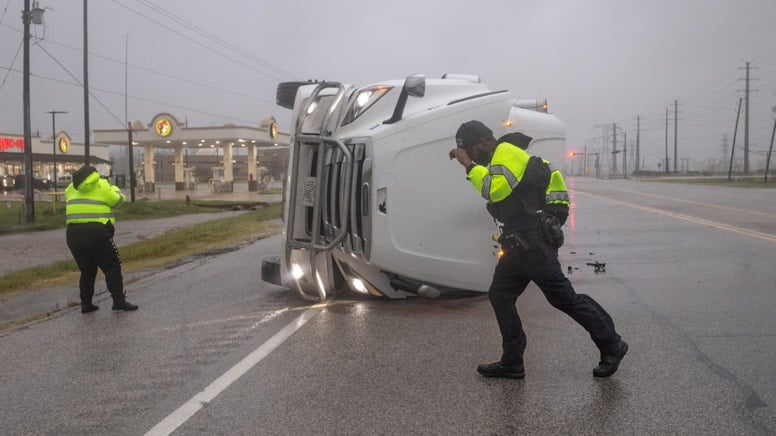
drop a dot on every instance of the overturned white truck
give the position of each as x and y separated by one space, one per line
373 204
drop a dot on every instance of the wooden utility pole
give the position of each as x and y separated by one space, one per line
735 132
676 134
666 140
638 135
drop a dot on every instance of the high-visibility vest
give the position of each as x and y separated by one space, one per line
502 175
557 194
93 201
499 181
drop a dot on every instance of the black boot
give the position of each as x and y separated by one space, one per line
611 361
122 304
86 308
500 369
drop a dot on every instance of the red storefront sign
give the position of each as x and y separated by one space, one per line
6 143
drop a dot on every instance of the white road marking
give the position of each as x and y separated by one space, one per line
697 203
689 218
189 408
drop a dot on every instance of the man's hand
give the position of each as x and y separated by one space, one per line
461 155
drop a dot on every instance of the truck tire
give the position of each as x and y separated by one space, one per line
286 93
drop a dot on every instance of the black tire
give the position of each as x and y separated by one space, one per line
286 93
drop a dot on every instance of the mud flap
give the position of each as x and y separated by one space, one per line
270 270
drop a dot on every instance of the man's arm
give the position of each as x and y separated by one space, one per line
475 173
113 196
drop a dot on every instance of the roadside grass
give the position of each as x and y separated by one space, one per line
50 215
171 247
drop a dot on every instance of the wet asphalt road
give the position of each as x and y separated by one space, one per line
689 280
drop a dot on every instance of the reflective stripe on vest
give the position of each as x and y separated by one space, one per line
558 197
499 170
84 210
79 216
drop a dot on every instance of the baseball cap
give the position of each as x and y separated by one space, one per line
470 133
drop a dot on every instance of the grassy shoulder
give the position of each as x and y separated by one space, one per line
171 247
49 215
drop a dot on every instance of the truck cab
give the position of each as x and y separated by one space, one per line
372 202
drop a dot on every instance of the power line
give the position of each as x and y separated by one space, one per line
217 39
219 53
5 9
81 84
170 76
12 63
147 100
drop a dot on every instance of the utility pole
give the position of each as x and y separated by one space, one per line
54 141
29 201
747 91
638 135
614 149
131 164
666 140
86 90
746 123
676 128
733 147
770 150
34 16
624 154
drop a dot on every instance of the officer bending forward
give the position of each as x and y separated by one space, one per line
514 184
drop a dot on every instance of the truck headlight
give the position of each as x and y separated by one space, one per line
359 286
365 98
296 271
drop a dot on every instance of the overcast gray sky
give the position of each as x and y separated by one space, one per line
215 62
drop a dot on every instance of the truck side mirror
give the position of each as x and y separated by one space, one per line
414 85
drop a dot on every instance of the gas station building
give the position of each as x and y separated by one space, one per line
165 131
49 158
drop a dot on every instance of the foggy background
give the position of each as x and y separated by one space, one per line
597 62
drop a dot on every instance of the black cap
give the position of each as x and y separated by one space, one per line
81 174
470 133
516 138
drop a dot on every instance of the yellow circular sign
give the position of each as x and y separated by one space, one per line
273 130
64 144
163 127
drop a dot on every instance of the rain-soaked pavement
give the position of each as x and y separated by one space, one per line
689 280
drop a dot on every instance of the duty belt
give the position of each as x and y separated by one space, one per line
514 243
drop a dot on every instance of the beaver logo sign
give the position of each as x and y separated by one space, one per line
64 144
163 127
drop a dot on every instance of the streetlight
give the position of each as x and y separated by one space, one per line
35 17
54 141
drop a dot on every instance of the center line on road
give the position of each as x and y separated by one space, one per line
189 408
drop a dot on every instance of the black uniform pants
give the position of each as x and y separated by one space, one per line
92 247
540 264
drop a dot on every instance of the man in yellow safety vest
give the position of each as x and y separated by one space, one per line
90 201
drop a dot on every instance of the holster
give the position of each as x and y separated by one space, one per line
514 243
551 229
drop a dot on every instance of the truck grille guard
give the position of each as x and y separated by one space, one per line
333 203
